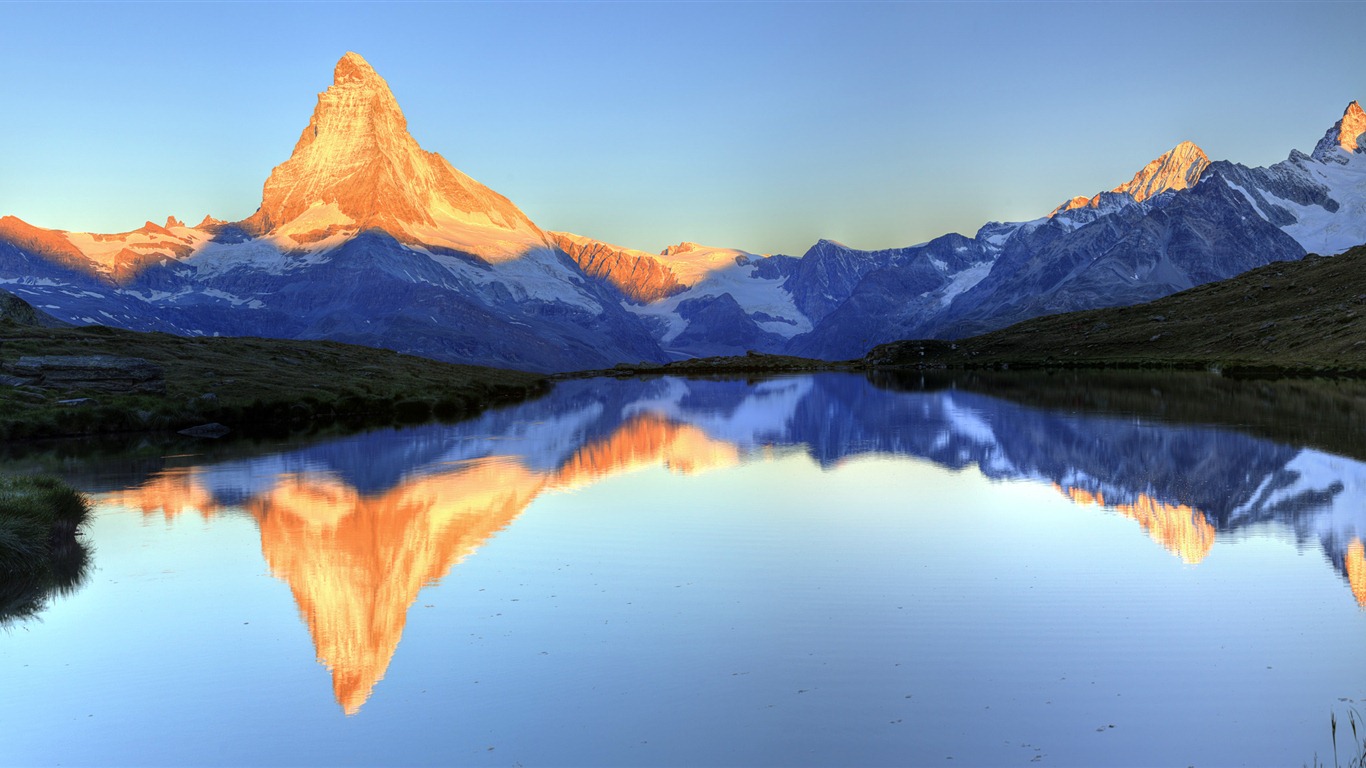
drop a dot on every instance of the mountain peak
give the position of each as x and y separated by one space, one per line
355 167
352 67
1178 168
683 247
1351 127
1347 134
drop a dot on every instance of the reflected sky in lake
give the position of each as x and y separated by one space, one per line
807 570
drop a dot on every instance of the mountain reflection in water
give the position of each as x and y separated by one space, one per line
358 526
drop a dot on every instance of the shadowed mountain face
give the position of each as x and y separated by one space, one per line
358 526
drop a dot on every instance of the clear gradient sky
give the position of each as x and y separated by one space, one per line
762 126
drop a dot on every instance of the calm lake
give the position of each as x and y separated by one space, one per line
818 570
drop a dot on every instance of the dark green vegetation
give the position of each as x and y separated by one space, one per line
248 384
40 548
1302 317
754 362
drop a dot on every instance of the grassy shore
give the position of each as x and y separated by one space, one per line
40 548
1327 413
247 384
752 363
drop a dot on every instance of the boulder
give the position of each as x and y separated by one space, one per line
102 373
212 430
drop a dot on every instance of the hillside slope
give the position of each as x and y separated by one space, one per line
1302 316
249 384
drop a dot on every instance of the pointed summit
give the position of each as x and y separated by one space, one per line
355 167
1179 168
1347 134
352 67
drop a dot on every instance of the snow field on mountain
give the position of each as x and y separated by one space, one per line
753 294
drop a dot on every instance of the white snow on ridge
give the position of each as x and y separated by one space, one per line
537 273
965 280
696 264
475 233
103 250
1250 201
1340 479
968 422
753 294
1319 231
761 418
46 282
263 255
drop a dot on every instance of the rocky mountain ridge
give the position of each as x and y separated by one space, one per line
1179 168
362 236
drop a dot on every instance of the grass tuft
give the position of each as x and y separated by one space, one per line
1357 749
41 552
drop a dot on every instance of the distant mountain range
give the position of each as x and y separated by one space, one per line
364 237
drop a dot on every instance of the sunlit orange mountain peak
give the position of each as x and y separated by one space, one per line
640 276
1182 529
355 167
1351 128
1178 168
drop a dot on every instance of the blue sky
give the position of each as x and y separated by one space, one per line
763 126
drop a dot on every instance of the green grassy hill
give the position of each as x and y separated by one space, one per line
248 384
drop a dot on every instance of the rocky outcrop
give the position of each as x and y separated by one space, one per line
639 276
15 310
96 373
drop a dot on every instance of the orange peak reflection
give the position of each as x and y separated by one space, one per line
355 563
1356 570
170 494
1182 529
646 440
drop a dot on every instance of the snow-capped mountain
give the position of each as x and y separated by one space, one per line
1319 199
1179 168
364 237
361 237
1167 229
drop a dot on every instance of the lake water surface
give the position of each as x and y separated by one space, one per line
801 571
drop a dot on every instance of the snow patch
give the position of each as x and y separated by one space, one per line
753 294
964 281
